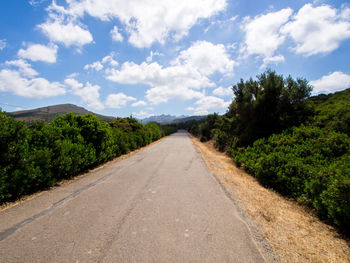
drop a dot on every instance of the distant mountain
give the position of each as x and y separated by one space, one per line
168 119
189 118
160 119
47 114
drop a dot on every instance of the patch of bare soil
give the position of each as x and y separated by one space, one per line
294 232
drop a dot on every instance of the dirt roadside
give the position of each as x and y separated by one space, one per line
294 233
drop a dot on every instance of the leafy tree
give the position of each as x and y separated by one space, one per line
268 105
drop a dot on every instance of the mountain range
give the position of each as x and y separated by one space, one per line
169 119
47 114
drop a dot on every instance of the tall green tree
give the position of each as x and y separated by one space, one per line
268 105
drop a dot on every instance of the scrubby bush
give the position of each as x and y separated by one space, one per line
306 163
38 155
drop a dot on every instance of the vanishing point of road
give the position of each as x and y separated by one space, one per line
161 204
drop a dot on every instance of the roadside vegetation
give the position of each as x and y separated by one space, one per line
36 155
291 142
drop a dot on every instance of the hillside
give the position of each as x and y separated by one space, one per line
184 119
158 118
47 114
332 111
170 119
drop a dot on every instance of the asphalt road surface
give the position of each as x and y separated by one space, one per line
159 205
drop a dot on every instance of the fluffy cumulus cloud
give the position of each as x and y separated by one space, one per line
89 93
206 103
223 92
147 21
161 94
207 58
333 82
184 78
62 28
73 83
23 66
116 35
139 103
96 66
263 35
154 75
37 52
119 100
15 82
318 29
110 60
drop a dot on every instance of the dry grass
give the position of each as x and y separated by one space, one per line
293 231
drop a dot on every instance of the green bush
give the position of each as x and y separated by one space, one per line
305 163
38 155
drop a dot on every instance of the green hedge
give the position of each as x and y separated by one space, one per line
306 163
38 155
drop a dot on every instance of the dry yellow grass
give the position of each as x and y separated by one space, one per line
294 233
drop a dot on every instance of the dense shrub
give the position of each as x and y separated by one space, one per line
306 163
38 155
332 111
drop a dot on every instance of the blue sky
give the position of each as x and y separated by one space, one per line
148 57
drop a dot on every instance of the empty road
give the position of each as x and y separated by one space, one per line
160 204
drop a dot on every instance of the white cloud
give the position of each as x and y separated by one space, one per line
147 21
345 13
139 103
152 54
207 58
161 94
23 66
115 34
73 83
37 52
73 75
12 81
206 103
333 82
117 101
220 23
318 29
141 114
223 92
89 94
69 34
2 44
187 74
156 75
263 34
109 59
96 66
35 3
272 60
